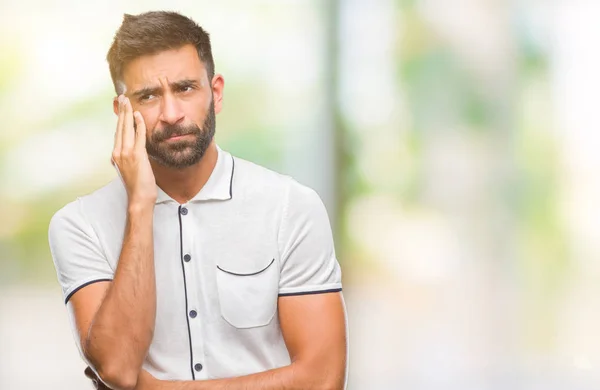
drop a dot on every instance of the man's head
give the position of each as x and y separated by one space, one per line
162 61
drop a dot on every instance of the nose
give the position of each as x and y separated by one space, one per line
171 112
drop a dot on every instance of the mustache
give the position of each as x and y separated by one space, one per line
169 131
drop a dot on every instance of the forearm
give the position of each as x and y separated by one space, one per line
122 329
292 377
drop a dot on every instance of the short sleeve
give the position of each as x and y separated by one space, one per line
308 262
76 252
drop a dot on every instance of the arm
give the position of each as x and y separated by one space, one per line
115 321
312 320
314 329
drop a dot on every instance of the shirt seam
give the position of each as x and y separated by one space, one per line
79 283
284 208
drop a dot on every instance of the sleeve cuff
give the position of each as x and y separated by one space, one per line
73 290
308 290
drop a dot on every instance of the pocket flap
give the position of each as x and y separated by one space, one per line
248 298
246 274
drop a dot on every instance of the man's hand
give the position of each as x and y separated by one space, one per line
115 319
147 382
130 156
314 329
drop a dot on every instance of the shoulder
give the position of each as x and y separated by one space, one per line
100 204
252 180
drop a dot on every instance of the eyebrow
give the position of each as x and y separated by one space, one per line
154 90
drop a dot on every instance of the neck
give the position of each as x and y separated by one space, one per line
183 184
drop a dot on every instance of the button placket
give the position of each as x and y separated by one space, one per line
189 233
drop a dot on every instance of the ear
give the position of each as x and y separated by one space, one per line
116 106
218 84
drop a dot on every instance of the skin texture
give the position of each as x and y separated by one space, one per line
314 332
170 106
115 320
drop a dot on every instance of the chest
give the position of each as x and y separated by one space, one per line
216 264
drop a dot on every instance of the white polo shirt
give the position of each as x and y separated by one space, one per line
221 261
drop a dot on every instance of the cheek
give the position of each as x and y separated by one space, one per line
198 110
150 115
197 106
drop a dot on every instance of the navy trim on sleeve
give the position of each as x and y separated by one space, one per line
310 292
84 285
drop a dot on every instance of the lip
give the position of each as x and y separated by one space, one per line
178 137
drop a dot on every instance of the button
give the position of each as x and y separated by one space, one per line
193 314
187 258
183 211
198 367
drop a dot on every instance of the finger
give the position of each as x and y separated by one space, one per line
128 131
119 131
114 164
140 133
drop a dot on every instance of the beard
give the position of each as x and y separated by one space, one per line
185 152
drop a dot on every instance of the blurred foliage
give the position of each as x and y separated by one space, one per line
544 260
442 95
445 96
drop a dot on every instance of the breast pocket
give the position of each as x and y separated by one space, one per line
248 299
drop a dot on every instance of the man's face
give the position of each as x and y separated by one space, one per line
172 92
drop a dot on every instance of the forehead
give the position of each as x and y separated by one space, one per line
175 64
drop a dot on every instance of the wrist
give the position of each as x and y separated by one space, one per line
139 208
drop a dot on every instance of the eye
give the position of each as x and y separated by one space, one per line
185 88
146 97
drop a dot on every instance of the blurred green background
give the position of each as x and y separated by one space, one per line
453 142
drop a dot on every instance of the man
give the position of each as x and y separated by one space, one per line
195 269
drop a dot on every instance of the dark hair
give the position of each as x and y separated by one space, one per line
152 32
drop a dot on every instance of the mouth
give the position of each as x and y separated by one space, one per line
178 137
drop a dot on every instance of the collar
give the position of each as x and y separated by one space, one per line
219 185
